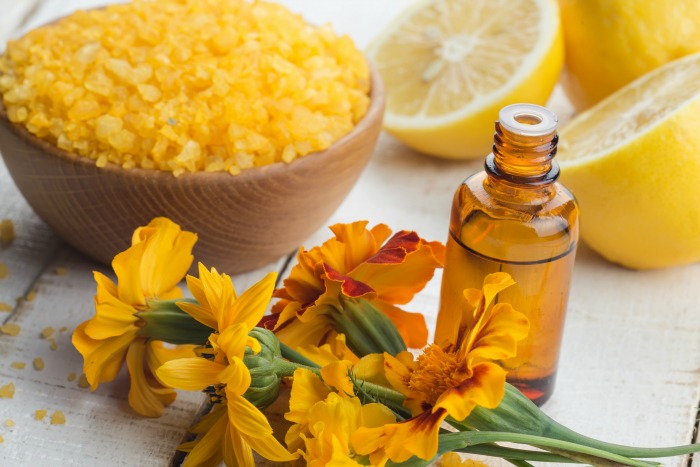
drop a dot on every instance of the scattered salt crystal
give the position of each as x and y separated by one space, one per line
31 295
71 376
7 231
47 332
83 382
9 423
4 271
57 418
54 345
18 365
38 363
39 414
7 391
5 306
60 271
63 329
11 329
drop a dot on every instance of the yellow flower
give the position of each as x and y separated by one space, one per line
451 377
452 459
150 269
324 419
353 265
235 427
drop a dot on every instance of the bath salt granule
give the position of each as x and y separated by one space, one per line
138 85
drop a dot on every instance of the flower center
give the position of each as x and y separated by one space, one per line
216 393
436 371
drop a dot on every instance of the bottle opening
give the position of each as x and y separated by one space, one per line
528 119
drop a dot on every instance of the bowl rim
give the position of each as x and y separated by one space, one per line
374 112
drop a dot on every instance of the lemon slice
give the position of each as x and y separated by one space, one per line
450 65
633 162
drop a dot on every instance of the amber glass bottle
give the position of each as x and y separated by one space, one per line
516 218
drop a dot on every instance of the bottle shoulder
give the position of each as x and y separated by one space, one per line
520 228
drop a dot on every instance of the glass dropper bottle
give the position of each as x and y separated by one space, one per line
516 218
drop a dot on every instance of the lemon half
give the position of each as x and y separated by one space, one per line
450 65
633 162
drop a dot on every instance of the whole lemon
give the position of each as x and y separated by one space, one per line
609 43
633 163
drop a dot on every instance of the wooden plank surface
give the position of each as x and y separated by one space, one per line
629 369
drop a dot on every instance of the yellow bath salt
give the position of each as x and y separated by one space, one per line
60 271
11 329
47 332
7 231
39 414
53 345
71 376
186 85
9 423
31 295
7 391
63 329
83 382
5 306
4 271
18 365
38 363
57 418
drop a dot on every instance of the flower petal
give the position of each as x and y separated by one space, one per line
307 390
112 317
166 257
250 307
337 376
485 388
400 269
400 441
500 333
207 448
192 374
235 449
146 395
410 325
127 267
198 312
360 243
102 358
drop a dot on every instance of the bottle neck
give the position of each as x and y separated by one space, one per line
523 160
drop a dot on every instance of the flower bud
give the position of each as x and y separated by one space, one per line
367 330
265 383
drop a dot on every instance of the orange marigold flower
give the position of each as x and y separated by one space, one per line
355 264
451 376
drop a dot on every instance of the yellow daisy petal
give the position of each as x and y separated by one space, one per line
198 312
250 307
192 374
307 390
127 267
102 358
207 449
235 450
146 396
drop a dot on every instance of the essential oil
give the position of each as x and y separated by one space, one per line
515 217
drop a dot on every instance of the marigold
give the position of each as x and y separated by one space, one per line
325 415
149 270
235 427
451 377
355 264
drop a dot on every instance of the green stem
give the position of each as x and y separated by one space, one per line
470 438
517 414
285 368
163 320
294 356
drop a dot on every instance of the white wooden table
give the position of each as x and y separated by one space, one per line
630 364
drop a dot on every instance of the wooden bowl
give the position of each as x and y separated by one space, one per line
243 222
